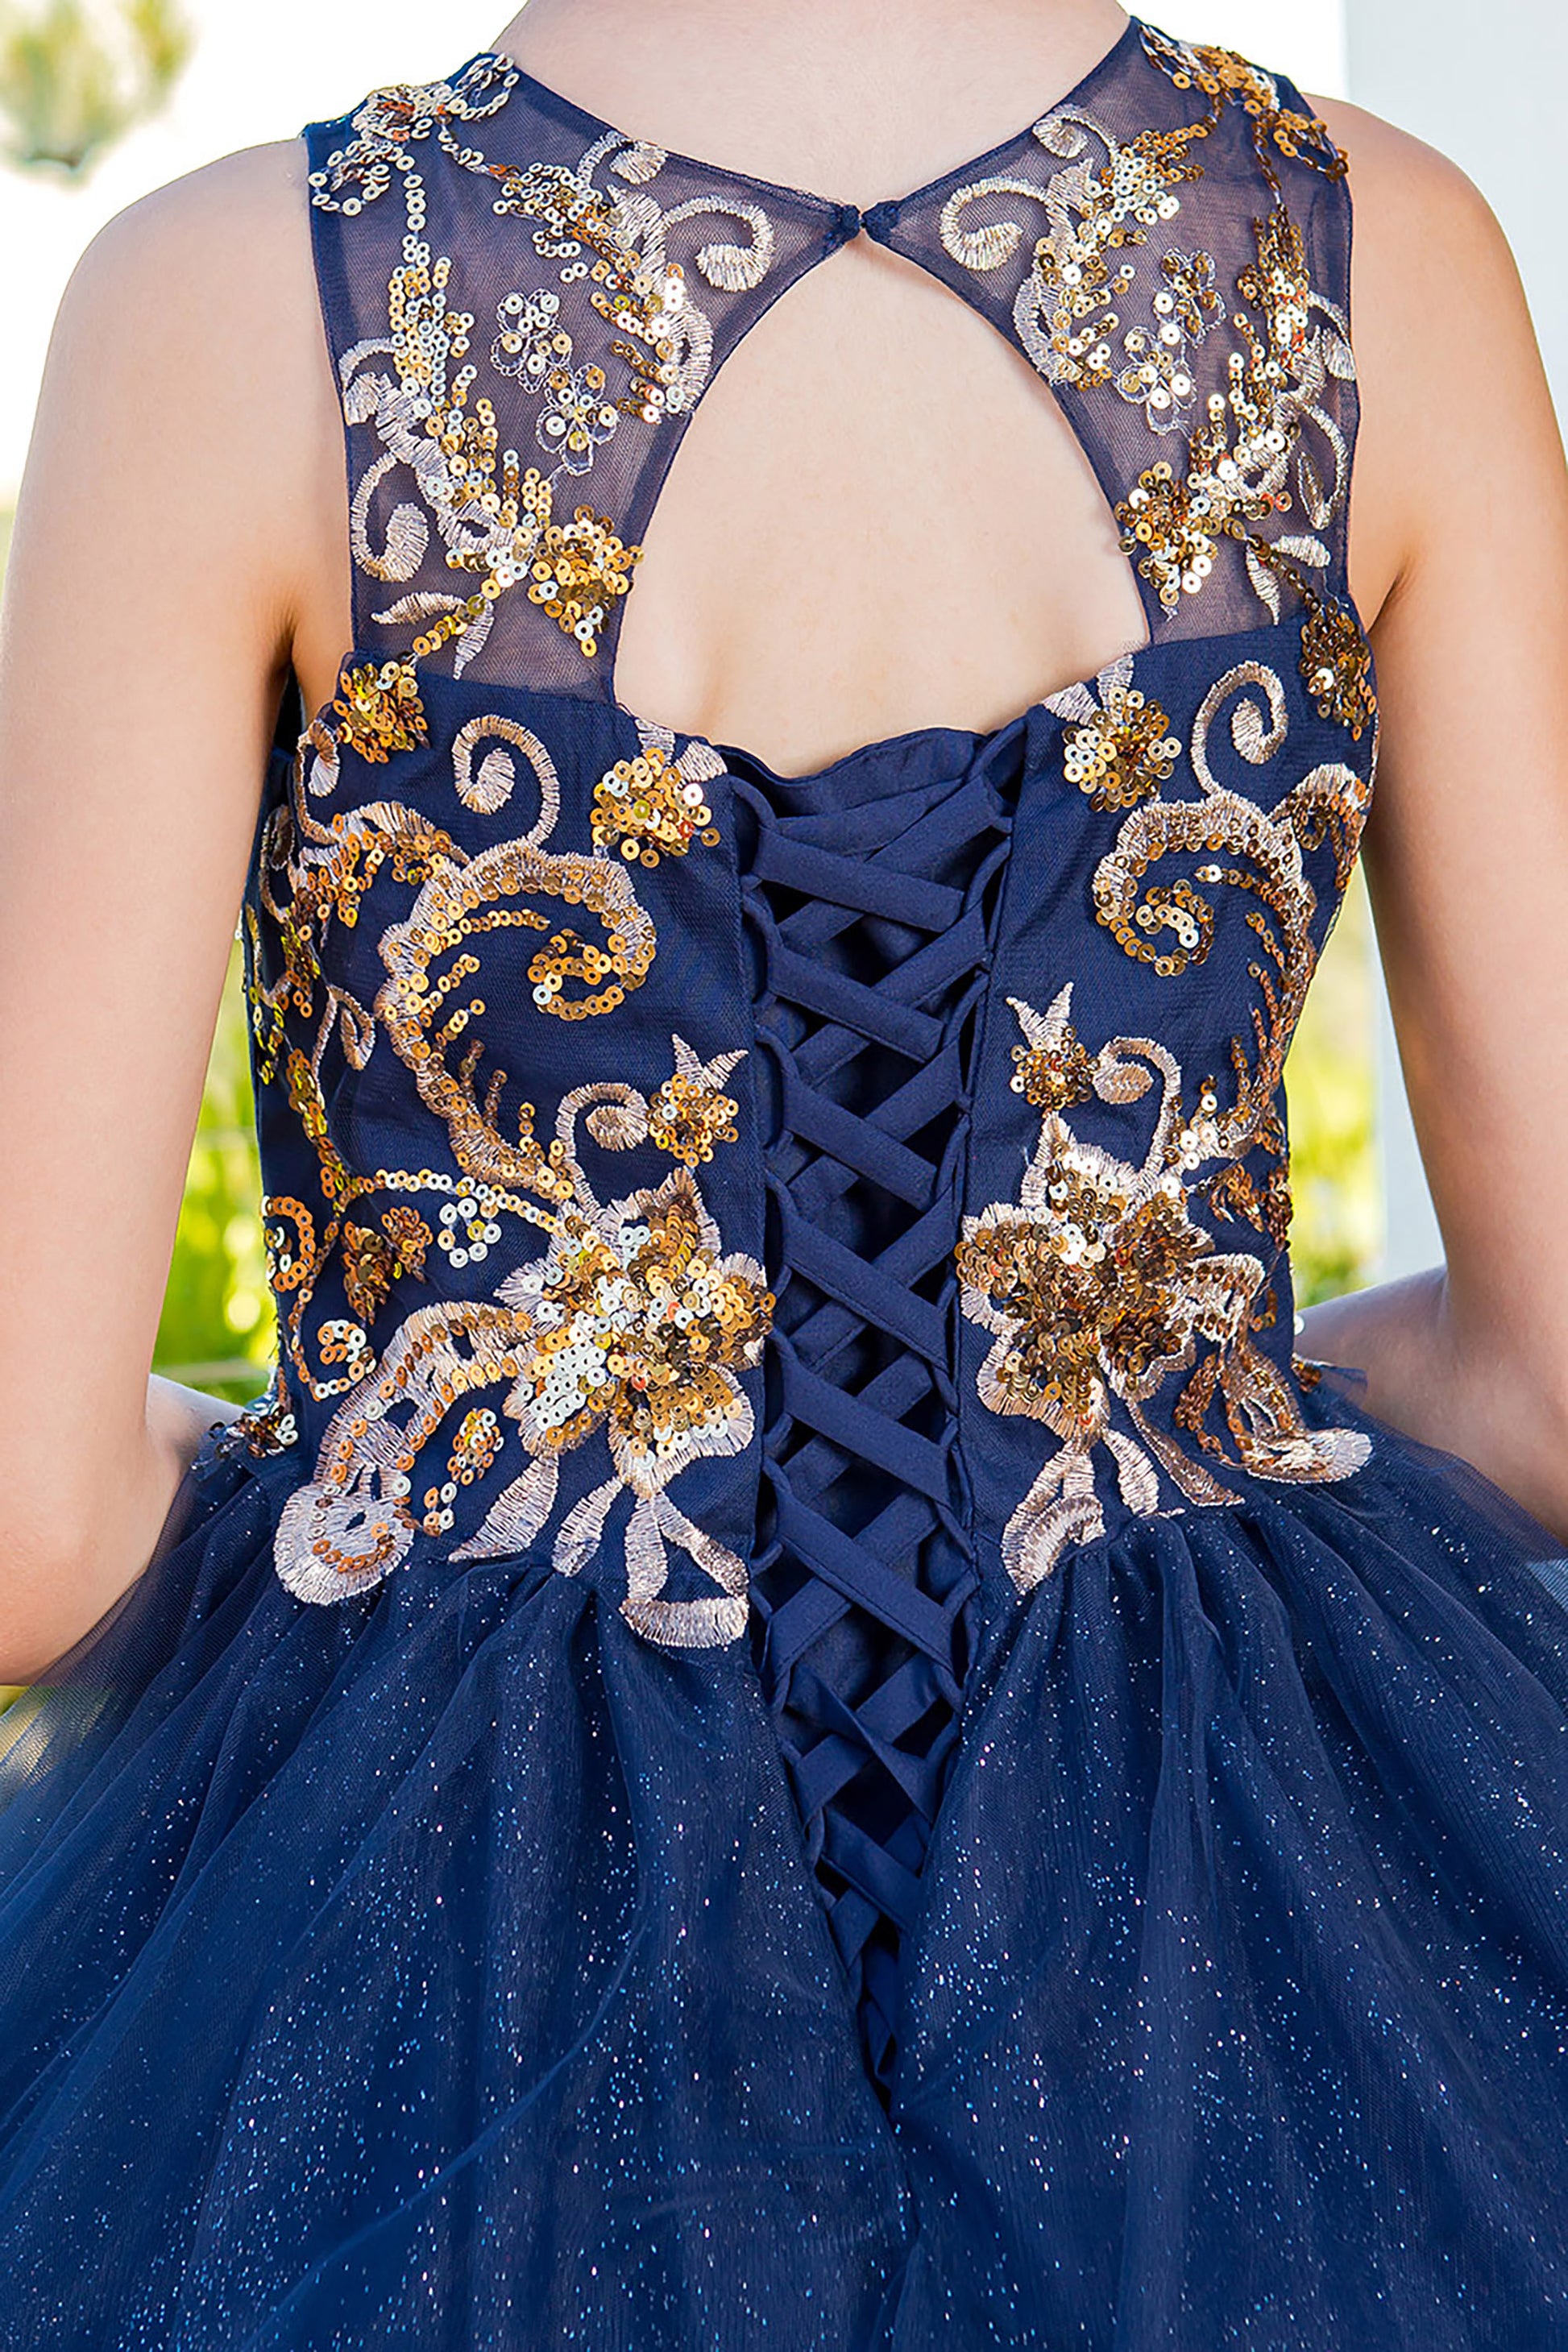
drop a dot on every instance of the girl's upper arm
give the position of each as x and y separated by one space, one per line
149 613
1460 536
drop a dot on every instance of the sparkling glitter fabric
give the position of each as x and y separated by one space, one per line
793 1725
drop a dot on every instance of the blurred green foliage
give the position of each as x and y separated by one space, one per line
77 74
217 1330
1331 1082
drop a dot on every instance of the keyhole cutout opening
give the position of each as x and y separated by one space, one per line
879 519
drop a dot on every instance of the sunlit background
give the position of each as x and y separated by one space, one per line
103 99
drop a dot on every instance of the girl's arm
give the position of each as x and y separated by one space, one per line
148 619
1461 504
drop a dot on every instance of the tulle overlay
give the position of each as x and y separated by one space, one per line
445 1968
440 1969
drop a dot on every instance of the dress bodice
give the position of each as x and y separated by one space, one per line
805 1205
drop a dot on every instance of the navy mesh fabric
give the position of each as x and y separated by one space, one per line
526 278
793 1725
977 231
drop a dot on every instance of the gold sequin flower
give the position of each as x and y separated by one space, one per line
689 1114
1099 1285
1336 662
581 573
636 1322
654 804
1167 526
380 710
1120 751
577 418
530 340
1055 1075
1092 1292
640 1325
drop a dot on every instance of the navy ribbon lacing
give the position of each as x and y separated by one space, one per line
872 924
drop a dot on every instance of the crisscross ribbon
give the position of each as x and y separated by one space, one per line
872 924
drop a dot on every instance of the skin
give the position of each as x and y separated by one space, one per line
182 540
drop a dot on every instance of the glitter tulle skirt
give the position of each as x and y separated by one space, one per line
445 1970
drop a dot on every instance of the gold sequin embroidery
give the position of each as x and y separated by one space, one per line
392 122
432 1012
689 1115
380 711
581 573
494 517
1264 444
1336 660
1222 75
1066 312
655 805
1102 1283
1119 750
1099 1288
635 1322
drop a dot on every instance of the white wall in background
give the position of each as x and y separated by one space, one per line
1302 38
1484 84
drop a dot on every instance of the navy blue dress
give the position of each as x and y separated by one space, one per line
794 1725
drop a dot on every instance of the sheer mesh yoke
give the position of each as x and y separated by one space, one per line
552 274
1141 252
541 301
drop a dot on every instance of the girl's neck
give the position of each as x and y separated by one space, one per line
864 98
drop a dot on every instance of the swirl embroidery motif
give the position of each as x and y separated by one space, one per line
315 875
496 519
634 1322
1099 1284
1264 443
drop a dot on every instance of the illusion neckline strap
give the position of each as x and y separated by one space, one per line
928 740
850 219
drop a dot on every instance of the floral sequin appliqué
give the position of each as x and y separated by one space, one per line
497 517
581 962
1101 1284
1090 313
635 1321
